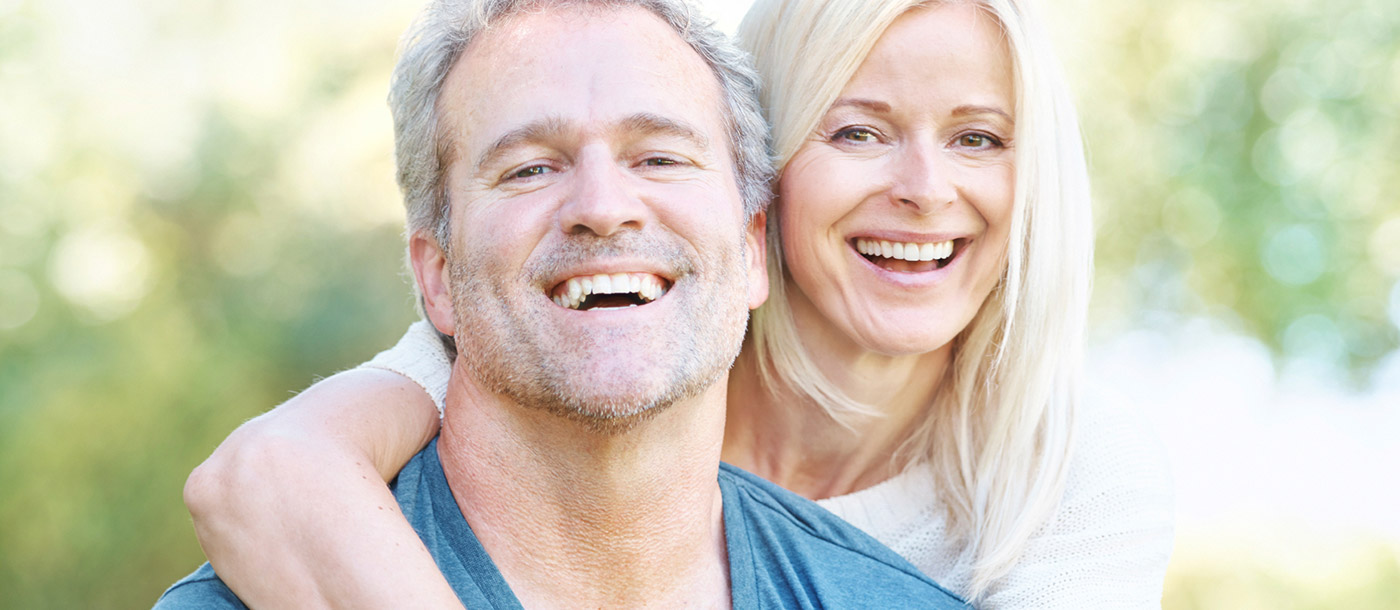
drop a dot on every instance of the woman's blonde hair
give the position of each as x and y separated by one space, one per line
998 434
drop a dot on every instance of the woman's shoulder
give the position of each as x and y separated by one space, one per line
1108 542
1117 458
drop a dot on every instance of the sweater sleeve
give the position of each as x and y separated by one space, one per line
421 357
1108 544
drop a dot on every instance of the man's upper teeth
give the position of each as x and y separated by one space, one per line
905 250
646 286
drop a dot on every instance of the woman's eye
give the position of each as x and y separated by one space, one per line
977 140
855 134
530 172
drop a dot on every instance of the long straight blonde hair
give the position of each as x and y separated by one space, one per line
998 434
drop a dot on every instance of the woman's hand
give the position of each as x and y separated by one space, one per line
293 511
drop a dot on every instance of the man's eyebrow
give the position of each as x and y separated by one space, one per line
643 123
536 131
653 124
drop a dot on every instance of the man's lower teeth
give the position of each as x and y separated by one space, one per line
583 307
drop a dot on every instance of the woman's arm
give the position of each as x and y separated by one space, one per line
292 509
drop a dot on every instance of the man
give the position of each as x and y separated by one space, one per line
587 229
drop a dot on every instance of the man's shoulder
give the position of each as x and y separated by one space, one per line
798 548
784 509
415 485
201 589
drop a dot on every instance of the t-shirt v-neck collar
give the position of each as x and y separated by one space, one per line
489 584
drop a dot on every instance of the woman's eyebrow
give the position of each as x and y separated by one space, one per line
872 105
963 110
969 109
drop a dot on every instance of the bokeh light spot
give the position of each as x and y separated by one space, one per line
1268 162
1281 95
1335 70
27 134
1295 255
1315 337
1308 141
1346 190
1231 101
105 270
1385 247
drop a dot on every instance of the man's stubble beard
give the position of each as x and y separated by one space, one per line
507 356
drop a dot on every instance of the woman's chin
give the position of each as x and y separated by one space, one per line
900 342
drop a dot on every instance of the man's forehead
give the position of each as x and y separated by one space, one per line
582 66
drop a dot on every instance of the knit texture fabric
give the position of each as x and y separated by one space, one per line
420 356
1106 546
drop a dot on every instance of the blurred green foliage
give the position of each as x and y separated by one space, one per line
198 218
157 293
1245 162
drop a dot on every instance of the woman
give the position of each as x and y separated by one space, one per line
915 368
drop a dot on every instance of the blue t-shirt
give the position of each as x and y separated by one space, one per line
784 552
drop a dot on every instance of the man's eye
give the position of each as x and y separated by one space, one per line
855 134
530 172
659 161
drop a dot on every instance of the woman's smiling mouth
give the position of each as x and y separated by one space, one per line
908 257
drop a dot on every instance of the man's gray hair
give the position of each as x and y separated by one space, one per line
446 27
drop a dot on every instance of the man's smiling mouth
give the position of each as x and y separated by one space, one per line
609 291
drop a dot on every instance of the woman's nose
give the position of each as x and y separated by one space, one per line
923 179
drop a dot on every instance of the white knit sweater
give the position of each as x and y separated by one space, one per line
1106 546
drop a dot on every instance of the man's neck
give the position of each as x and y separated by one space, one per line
576 517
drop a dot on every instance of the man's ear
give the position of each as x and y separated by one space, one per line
756 242
430 270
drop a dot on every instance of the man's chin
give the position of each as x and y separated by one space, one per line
614 407
604 403
611 419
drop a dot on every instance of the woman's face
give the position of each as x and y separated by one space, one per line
895 213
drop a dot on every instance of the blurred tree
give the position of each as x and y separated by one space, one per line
177 254
1245 163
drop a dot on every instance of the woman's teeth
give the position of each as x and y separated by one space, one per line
905 251
633 289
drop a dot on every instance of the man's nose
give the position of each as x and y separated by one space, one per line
604 199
